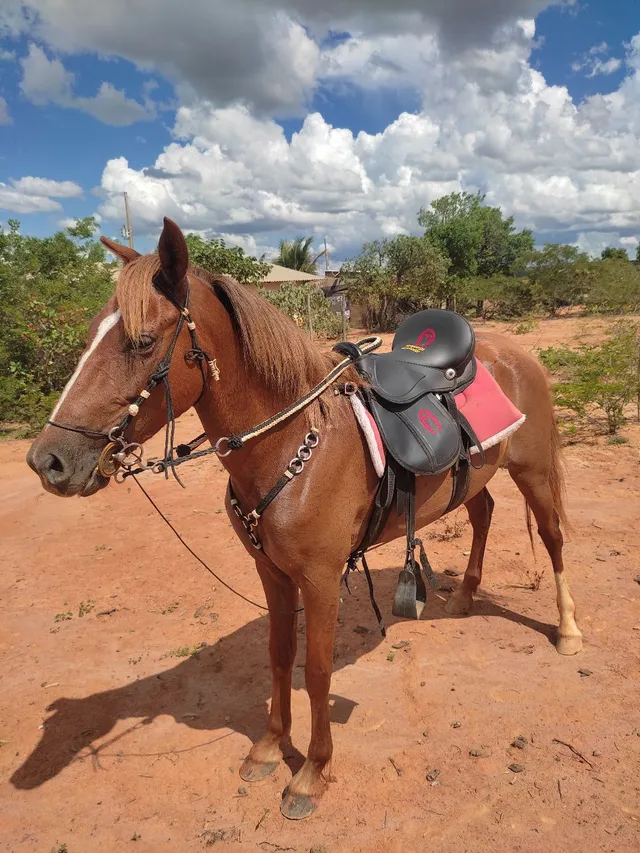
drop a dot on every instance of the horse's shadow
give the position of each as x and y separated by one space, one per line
209 692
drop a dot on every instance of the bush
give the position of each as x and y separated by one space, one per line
394 278
605 376
293 300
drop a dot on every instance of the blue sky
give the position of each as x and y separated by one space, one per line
348 140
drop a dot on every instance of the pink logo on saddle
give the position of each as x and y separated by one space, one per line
426 338
429 421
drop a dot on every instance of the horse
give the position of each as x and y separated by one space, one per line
259 363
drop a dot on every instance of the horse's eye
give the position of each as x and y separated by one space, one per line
144 345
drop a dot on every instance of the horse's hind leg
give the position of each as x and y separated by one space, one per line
282 598
538 494
480 509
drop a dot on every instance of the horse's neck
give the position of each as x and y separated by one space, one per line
239 400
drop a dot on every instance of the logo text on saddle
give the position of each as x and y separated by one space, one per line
424 340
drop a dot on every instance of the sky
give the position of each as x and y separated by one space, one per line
260 120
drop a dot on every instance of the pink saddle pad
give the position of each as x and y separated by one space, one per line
492 416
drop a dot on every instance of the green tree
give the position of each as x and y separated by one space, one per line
561 274
478 240
49 289
613 286
216 257
610 253
296 254
396 276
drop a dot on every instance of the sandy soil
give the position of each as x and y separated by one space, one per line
113 735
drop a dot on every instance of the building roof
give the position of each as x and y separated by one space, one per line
280 274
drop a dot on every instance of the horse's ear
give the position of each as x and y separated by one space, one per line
123 252
174 254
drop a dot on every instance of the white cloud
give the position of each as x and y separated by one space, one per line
593 242
5 117
46 187
488 121
262 53
7 55
593 64
36 195
47 81
15 201
486 118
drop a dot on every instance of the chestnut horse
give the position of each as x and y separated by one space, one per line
265 363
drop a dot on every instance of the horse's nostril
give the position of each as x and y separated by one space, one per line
53 468
54 463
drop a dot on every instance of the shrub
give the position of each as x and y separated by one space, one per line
605 376
293 300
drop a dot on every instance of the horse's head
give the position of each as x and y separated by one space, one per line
128 341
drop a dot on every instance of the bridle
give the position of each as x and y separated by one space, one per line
118 452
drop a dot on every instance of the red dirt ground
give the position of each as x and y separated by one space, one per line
110 739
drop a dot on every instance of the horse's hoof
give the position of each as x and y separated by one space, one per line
297 806
256 771
458 605
569 645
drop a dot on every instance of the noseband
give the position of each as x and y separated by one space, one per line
120 453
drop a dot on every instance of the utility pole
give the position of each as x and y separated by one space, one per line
326 258
128 220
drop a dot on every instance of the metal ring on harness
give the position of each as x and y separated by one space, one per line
296 466
217 447
311 439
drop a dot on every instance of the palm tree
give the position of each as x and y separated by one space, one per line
297 255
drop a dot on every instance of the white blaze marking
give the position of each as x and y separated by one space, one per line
106 324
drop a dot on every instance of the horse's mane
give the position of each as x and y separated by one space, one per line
274 348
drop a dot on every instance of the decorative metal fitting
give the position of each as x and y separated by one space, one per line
450 373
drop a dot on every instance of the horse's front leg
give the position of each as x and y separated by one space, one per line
282 598
320 595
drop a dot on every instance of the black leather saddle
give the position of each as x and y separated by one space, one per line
409 390
410 393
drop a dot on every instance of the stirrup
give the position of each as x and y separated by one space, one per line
411 594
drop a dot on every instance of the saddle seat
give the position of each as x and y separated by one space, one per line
432 351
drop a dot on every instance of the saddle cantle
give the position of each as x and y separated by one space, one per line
432 351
